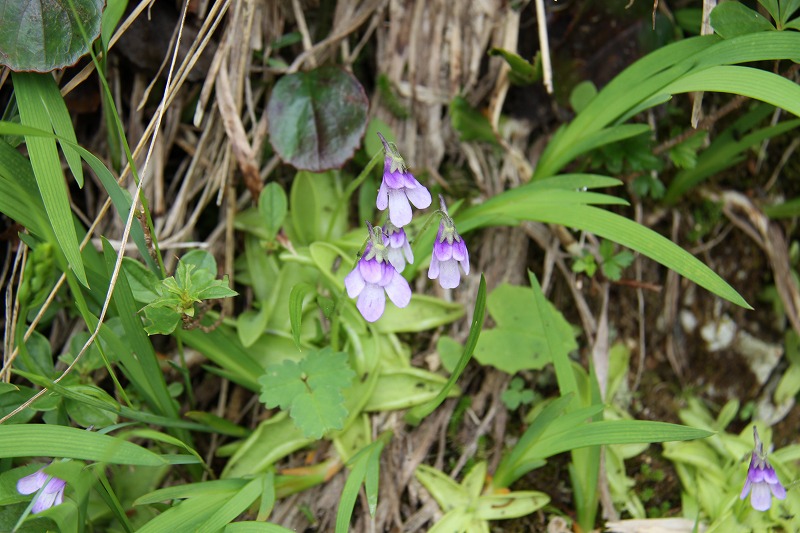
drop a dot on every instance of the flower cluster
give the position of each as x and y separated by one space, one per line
52 494
374 274
762 483
377 273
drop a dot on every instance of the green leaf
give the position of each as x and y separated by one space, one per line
250 325
311 390
746 81
365 468
161 320
217 423
233 507
296 299
611 432
518 341
218 288
727 148
202 261
272 206
317 118
44 36
772 7
732 19
144 283
582 95
36 440
255 527
87 415
272 440
788 209
403 388
29 89
470 124
545 206
415 416
312 200
522 72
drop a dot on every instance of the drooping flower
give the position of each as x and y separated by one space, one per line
397 246
399 187
374 275
762 483
448 251
52 494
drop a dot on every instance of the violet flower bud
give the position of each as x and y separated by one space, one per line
762 483
399 187
449 250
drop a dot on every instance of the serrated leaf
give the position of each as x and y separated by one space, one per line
318 412
43 36
317 118
311 390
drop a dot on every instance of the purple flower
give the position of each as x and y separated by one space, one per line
399 187
373 275
762 482
398 248
53 493
448 251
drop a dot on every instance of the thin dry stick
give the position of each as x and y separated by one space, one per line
544 46
12 308
126 233
705 29
301 25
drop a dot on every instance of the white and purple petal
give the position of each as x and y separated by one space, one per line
442 250
433 269
399 208
760 497
398 290
449 276
419 196
371 270
31 483
354 282
371 302
382 202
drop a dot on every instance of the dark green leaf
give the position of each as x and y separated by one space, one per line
522 72
296 298
470 124
732 19
317 118
272 206
415 416
44 36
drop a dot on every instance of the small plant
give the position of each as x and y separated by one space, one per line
516 394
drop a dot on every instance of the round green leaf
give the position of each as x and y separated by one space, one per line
40 36
317 118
